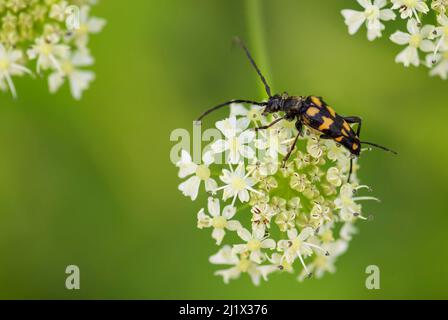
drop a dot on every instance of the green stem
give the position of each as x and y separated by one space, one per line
256 38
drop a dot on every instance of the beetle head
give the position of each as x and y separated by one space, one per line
275 103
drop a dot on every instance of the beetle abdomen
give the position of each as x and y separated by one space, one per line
318 115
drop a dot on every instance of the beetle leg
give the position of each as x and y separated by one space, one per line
350 171
357 120
271 124
299 126
290 150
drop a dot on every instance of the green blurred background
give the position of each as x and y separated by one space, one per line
90 183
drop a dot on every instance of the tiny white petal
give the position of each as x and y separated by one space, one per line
218 235
387 15
233 225
244 234
353 19
190 187
400 38
228 212
268 244
213 207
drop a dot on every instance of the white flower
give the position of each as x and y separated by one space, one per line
440 67
79 79
199 173
335 176
372 16
88 25
58 11
254 113
439 6
279 263
240 264
237 184
415 39
336 152
442 32
325 263
10 66
297 246
255 242
48 53
299 182
409 8
263 168
303 160
273 141
314 147
267 183
442 28
285 220
236 139
294 204
347 231
349 209
217 221
261 217
315 174
318 214
41 32
278 204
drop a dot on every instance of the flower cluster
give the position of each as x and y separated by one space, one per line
267 217
425 44
50 36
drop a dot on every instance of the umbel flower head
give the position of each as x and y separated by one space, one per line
417 35
267 218
50 38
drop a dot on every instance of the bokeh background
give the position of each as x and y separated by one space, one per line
91 183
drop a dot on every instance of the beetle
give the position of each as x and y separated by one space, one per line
310 111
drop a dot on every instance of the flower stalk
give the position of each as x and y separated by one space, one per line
254 18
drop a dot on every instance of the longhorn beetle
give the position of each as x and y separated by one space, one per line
311 111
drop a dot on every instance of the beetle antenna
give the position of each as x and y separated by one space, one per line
378 146
240 42
219 106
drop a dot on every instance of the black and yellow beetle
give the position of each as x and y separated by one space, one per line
311 111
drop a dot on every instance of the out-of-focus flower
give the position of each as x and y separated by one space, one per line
424 33
439 63
87 25
70 69
10 66
37 32
240 264
410 8
416 39
48 53
372 15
